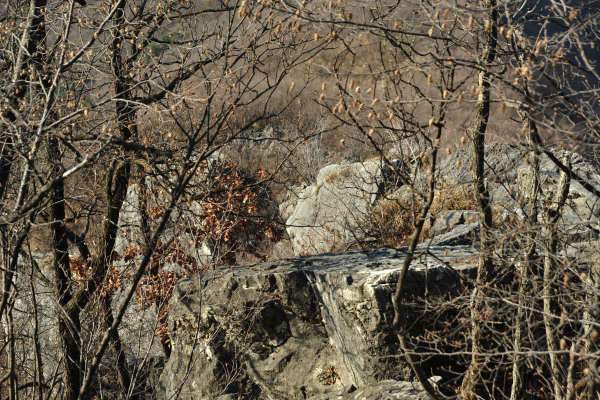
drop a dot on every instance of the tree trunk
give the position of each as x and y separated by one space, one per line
527 267
472 380
117 347
116 190
39 370
552 215
9 333
68 318
397 324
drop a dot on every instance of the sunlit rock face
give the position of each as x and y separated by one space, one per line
309 326
328 215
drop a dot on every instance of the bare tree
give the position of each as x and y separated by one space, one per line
99 96
529 67
111 99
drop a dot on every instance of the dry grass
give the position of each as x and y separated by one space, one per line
453 197
392 221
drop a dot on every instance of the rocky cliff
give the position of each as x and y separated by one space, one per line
317 327
314 327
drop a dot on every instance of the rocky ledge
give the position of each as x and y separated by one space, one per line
314 327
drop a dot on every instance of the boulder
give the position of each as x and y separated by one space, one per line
583 254
137 331
290 200
184 230
328 214
459 235
582 206
500 162
48 310
130 226
507 168
181 250
310 326
508 177
501 165
447 220
253 143
385 390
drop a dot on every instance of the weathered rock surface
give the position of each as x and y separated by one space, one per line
289 202
500 162
445 221
507 166
385 390
189 216
582 206
462 234
330 215
47 312
312 326
130 232
327 213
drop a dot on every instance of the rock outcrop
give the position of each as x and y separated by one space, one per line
332 214
327 214
385 390
582 208
314 327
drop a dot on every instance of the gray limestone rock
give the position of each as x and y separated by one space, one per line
328 213
445 221
289 202
130 225
582 206
500 164
459 235
311 326
385 390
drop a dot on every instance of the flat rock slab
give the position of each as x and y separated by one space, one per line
459 235
303 327
386 390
